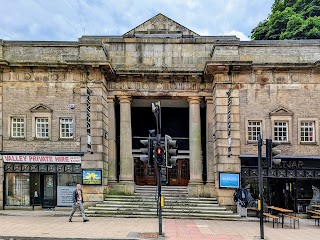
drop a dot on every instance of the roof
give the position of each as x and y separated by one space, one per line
160 24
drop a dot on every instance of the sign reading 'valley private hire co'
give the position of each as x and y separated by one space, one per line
41 159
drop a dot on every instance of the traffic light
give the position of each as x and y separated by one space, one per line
159 153
271 153
148 149
171 151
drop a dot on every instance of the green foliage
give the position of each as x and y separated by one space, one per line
290 19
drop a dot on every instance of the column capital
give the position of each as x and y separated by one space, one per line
194 100
209 100
124 99
110 99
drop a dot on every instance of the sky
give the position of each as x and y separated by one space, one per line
68 20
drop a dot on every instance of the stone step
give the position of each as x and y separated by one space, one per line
181 204
165 214
154 210
143 203
208 207
167 202
154 197
162 187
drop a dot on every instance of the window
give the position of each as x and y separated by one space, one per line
254 128
17 127
307 131
66 128
280 131
42 127
18 189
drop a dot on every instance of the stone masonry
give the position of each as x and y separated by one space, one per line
158 59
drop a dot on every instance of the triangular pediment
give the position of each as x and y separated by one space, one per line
40 108
281 111
160 26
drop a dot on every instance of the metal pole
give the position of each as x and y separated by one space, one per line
159 200
260 186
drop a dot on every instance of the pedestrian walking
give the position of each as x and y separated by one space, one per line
77 197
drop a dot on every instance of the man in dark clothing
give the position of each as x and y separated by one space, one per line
77 197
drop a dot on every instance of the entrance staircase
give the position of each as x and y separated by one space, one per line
177 205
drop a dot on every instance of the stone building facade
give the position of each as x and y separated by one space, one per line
67 107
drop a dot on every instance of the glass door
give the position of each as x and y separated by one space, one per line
49 192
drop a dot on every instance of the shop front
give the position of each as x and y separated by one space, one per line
40 180
294 184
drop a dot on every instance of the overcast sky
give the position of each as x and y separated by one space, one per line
67 20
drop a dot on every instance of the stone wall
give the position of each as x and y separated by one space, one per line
298 92
23 89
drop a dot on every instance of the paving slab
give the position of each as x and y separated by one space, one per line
46 225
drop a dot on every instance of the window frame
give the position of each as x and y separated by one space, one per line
34 125
73 128
10 127
287 119
315 131
247 129
42 123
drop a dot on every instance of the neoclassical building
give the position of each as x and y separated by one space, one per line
74 112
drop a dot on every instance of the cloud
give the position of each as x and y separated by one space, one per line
70 19
240 35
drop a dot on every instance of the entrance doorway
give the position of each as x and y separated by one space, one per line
179 175
176 176
48 190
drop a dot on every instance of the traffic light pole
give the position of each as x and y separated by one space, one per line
159 200
157 113
260 204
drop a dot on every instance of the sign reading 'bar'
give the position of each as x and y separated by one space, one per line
41 159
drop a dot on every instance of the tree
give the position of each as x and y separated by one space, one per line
290 19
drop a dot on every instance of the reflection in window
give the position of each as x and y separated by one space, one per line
17 127
66 128
281 131
42 127
17 189
307 131
254 129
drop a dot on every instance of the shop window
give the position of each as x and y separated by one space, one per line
17 189
69 179
66 128
308 131
253 130
18 127
42 127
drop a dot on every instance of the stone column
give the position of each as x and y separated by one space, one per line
195 183
112 147
126 159
209 148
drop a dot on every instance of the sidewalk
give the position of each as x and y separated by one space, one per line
53 224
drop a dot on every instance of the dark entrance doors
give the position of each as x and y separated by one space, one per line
176 176
144 174
179 175
49 190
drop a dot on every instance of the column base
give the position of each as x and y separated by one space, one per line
210 189
196 189
125 187
112 181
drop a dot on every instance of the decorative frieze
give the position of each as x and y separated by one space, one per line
159 86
